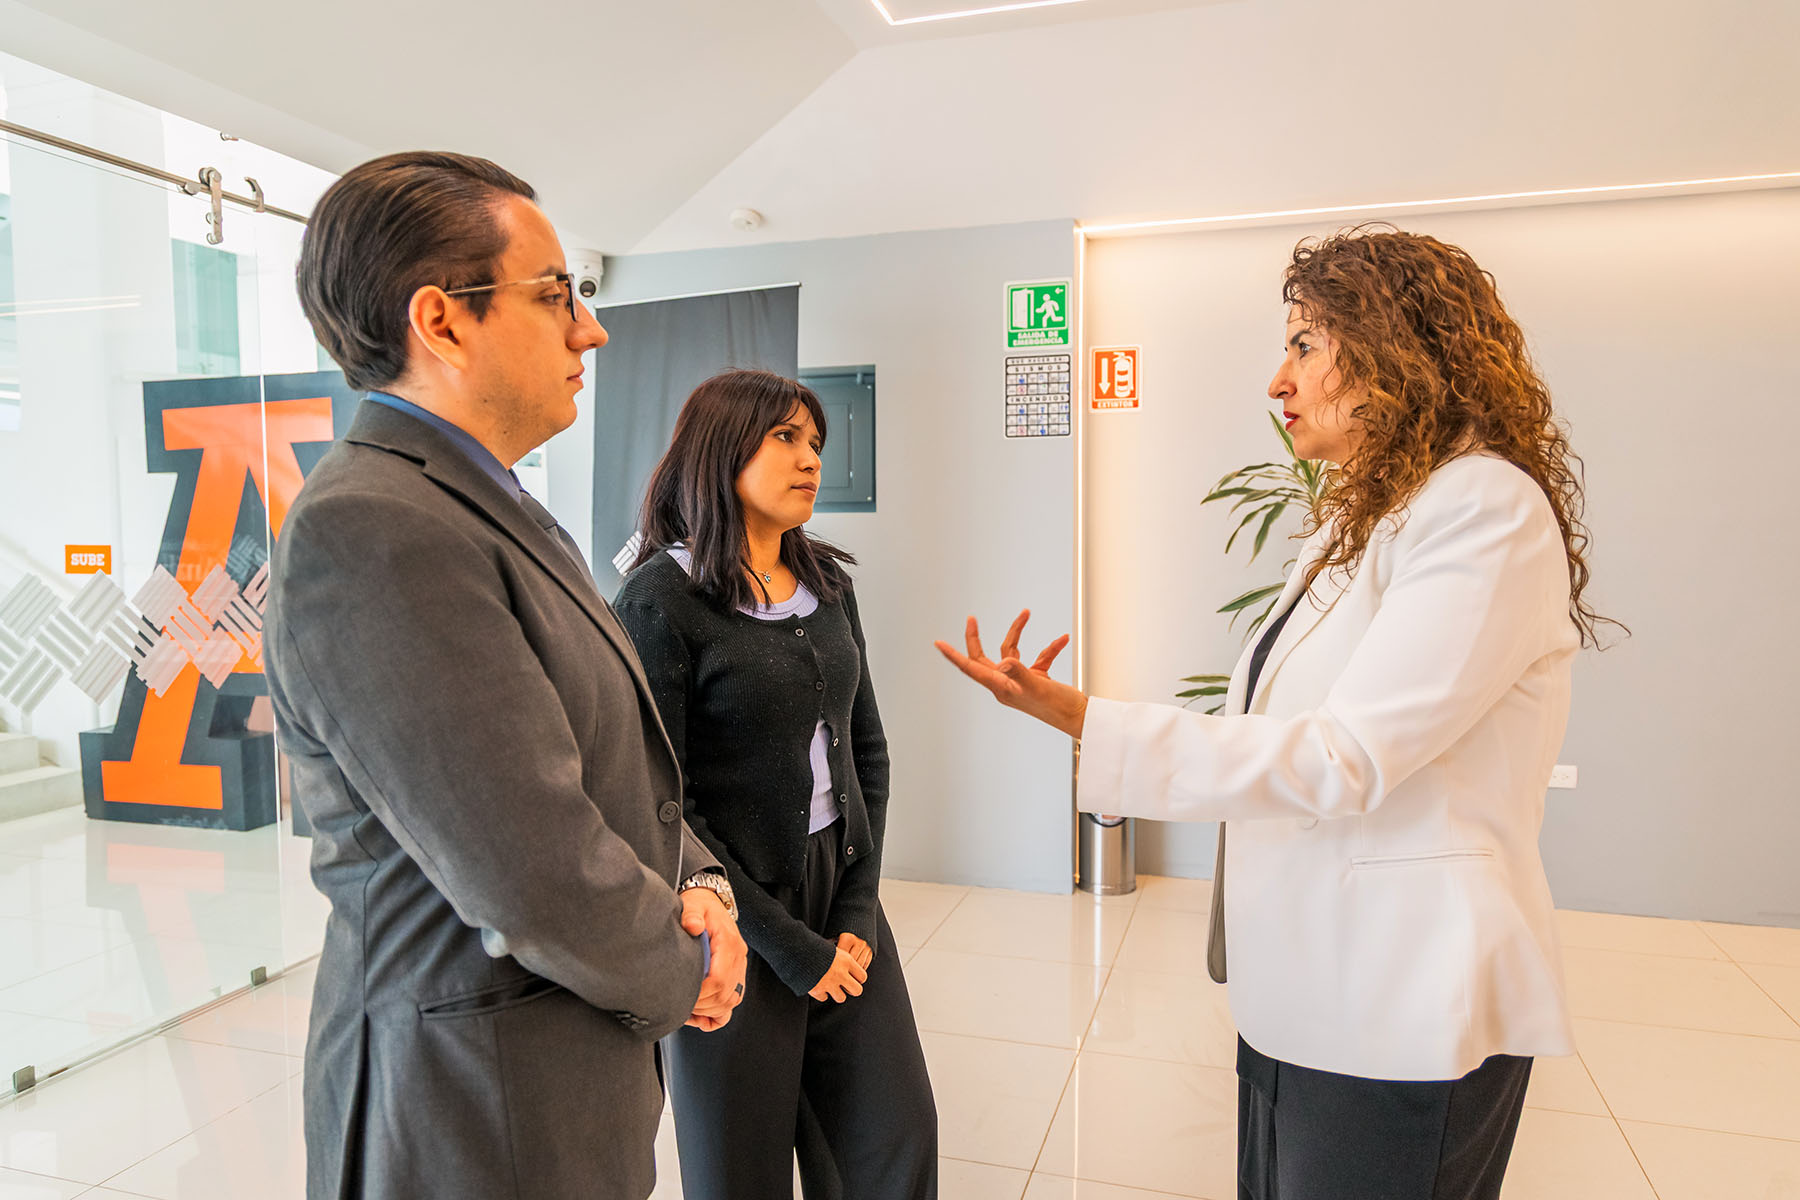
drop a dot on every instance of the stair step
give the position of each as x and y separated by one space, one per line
40 789
18 752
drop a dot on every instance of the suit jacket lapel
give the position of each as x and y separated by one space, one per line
1298 626
388 429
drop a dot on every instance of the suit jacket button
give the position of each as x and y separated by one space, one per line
669 811
849 850
834 741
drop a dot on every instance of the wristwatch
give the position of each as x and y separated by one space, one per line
716 883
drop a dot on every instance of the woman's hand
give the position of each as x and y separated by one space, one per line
844 979
856 948
1028 689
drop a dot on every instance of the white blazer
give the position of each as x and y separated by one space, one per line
1386 912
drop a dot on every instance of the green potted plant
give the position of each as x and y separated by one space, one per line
1262 493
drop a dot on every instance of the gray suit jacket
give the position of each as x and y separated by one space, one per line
496 818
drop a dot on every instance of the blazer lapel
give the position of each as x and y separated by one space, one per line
387 429
1298 625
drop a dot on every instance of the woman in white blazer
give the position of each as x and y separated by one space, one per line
1381 768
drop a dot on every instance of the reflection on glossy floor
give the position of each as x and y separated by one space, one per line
109 928
1078 1052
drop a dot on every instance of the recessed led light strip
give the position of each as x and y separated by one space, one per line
968 12
1620 189
49 308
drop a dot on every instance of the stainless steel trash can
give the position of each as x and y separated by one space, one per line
1106 854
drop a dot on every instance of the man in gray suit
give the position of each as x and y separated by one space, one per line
496 810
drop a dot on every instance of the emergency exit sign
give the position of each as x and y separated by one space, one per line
1116 375
1037 314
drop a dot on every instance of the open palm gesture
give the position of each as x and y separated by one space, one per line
1028 689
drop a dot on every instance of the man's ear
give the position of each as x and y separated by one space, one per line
437 322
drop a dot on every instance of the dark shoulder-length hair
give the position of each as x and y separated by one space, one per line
692 497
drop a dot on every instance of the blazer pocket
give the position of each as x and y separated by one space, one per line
1375 862
488 1000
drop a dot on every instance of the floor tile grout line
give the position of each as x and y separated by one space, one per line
1789 1038
1758 985
1061 962
1128 1187
983 1037
86 1187
1762 1137
244 1103
1614 1118
4 988
1075 1062
1055 1112
1726 950
1726 958
967 891
976 1162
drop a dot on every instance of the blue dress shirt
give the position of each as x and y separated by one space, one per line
478 454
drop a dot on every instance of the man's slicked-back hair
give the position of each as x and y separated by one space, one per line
386 229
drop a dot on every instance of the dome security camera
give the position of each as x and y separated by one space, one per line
589 268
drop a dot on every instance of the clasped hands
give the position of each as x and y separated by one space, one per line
848 971
1028 689
703 913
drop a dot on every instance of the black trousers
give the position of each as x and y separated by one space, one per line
846 1083
1313 1135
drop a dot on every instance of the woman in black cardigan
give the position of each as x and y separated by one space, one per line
749 633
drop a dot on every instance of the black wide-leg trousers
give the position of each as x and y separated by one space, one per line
846 1082
1314 1135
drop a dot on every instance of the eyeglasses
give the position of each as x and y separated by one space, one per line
565 278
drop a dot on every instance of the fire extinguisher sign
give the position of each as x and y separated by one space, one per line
1117 377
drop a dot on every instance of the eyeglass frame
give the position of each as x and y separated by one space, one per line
566 278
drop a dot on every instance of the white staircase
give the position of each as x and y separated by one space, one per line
28 785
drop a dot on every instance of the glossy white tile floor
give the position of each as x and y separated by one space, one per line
1078 1053
109 928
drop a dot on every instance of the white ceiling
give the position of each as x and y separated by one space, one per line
925 20
644 123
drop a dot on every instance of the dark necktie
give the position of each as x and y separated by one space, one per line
542 516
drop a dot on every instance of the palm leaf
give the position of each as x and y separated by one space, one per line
1282 433
1265 490
1240 603
1262 535
1248 517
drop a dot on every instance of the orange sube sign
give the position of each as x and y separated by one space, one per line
87 560
1115 376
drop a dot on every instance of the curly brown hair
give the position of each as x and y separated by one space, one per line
1442 371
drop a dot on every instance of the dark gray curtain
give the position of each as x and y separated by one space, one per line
658 353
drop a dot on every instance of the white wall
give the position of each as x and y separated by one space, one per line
967 521
1665 330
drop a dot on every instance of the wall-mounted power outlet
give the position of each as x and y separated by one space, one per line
1562 775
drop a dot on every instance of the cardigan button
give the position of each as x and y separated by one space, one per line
819 685
834 741
849 850
799 633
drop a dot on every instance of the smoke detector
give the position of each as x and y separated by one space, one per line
746 219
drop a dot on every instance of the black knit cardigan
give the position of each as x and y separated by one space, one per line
741 698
